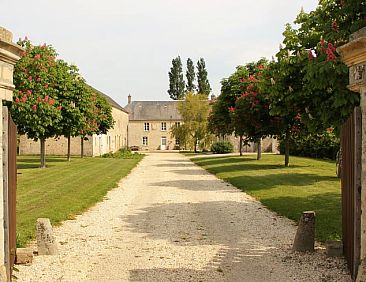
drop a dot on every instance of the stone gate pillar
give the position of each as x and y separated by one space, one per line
9 55
354 56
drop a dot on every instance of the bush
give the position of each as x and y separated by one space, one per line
222 147
322 146
122 153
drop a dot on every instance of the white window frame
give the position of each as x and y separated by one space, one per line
146 126
163 126
177 123
145 141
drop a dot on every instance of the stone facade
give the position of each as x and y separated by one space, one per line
9 55
95 145
150 124
154 138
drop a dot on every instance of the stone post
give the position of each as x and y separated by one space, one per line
9 55
354 56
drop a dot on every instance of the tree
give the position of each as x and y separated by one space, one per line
73 96
176 80
194 111
98 117
35 107
250 116
190 75
203 85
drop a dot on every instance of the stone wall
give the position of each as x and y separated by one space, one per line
136 133
96 145
54 146
269 145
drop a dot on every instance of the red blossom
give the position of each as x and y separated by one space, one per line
335 25
59 108
24 98
252 78
39 99
46 99
17 100
34 107
30 78
51 102
330 52
231 109
29 92
37 56
310 55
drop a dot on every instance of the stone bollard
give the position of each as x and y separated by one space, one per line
305 234
46 241
334 248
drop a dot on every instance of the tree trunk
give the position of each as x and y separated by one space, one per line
287 148
68 148
43 152
259 151
241 145
195 146
82 147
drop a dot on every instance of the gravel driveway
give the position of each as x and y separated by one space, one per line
170 220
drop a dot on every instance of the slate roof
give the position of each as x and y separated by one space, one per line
153 110
113 103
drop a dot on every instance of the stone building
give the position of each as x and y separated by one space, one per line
150 123
95 145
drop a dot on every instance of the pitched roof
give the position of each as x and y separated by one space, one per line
153 110
113 103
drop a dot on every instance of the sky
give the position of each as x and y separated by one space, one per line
126 47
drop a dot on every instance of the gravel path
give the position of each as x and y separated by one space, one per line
169 220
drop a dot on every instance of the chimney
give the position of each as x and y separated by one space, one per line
213 97
129 98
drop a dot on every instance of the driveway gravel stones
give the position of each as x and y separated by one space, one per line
170 220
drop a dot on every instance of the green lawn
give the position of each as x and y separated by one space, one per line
308 184
64 189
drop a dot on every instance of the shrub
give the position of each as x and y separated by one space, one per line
323 146
222 147
122 153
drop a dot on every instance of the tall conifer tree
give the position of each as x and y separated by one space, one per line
203 85
176 80
190 74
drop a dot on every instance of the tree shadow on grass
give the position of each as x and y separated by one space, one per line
34 162
222 160
270 181
327 207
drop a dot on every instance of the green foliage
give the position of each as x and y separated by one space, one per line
190 75
176 80
36 109
122 153
307 184
220 122
203 85
222 147
194 130
315 145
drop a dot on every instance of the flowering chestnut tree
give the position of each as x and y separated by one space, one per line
35 108
250 115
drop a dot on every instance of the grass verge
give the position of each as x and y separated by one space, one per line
64 189
308 184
